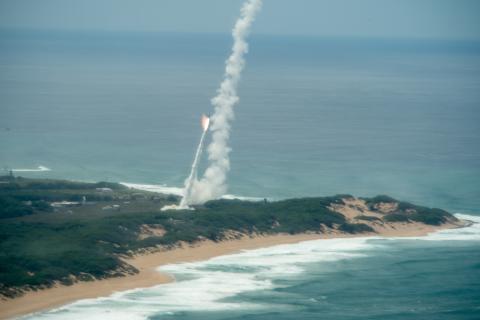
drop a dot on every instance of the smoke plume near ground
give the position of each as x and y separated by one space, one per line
213 183
193 174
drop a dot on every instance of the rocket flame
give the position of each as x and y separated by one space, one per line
205 122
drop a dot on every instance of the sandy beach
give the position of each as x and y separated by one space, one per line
147 263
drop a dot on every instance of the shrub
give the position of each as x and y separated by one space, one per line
396 217
355 228
368 218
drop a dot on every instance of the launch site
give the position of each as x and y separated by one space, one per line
243 159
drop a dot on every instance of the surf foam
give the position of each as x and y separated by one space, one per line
205 286
38 169
470 233
212 285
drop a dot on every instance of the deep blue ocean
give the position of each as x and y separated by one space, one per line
317 116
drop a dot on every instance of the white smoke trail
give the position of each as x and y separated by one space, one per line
193 174
213 183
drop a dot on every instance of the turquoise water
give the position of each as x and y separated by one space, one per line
434 277
317 117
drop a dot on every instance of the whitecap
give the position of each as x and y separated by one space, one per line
208 285
212 285
469 233
38 169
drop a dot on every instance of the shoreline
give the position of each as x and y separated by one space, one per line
148 276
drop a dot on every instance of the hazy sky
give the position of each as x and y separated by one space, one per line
457 19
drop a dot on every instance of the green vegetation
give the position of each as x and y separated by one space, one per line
407 212
368 218
430 216
42 241
379 199
21 197
396 217
355 228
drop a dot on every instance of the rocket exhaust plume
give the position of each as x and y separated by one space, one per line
213 183
205 122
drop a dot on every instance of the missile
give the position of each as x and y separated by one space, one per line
205 122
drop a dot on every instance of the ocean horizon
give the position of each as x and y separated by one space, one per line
317 116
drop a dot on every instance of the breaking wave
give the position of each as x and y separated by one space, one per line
204 286
38 169
216 284
470 233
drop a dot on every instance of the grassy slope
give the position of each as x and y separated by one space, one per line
40 244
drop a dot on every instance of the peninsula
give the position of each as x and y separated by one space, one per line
62 241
